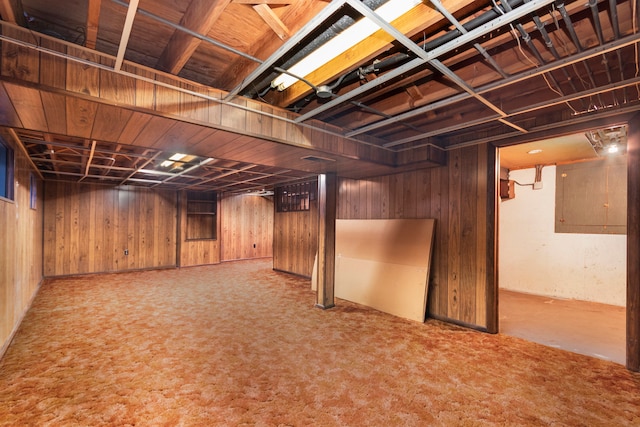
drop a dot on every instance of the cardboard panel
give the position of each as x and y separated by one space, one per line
384 264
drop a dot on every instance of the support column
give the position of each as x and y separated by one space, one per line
633 244
493 182
327 198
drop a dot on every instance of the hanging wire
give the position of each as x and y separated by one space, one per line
517 36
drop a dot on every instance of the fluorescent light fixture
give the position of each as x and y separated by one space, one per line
176 157
534 151
390 11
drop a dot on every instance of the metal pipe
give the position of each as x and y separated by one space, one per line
593 5
527 39
402 58
591 53
462 30
547 40
613 14
569 24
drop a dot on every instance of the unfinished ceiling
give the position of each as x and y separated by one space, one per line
444 74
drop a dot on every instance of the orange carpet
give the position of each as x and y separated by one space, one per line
238 344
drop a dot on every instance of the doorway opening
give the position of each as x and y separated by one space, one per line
558 288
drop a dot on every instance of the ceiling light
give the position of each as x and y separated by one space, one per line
534 151
166 163
177 156
390 11
612 148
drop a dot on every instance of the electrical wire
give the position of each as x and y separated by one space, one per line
517 37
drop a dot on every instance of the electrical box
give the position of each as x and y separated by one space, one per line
507 189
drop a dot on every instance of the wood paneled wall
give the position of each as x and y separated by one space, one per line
633 244
197 252
20 249
247 227
295 240
456 196
87 228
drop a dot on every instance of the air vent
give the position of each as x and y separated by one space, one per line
317 159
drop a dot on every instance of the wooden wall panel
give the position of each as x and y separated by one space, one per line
247 227
456 196
633 245
295 240
196 252
87 228
20 249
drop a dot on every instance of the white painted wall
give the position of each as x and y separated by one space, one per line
535 260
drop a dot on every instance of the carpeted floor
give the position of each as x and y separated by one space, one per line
238 344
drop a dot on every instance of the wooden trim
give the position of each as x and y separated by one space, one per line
493 180
633 244
12 335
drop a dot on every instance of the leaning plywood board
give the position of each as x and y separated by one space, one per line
384 264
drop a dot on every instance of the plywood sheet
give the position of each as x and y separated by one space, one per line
384 264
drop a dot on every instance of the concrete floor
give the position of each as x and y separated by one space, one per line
583 327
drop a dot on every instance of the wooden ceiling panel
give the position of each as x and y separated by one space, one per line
109 123
134 126
8 114
28 106
81 115
55 111
459 99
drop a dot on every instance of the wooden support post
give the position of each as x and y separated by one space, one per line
493 180
327 197
633 244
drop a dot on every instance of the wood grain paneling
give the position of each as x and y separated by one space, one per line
20 248
327 203
456 196
87 228
196 252
84 85
247 227
295 240
633 245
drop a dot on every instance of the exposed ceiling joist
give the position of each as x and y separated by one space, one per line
199 17
11 11
272 20
93 21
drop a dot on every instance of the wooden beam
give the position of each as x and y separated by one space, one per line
327 207
414 21
272 20
633 244
492 177
93 20
11 11
294 17
199 17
